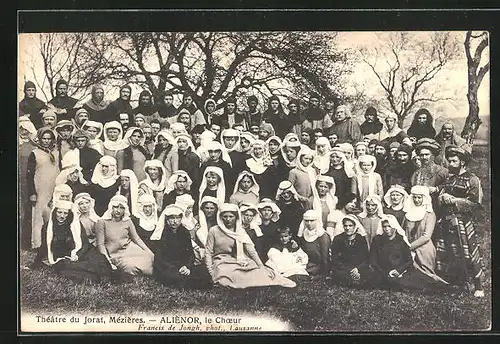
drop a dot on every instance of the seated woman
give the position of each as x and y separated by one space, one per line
246 190
86 214
314 240
287 258
129 188
292 209
178 184
145 219
62 192
395 199
186 203
117 239
174 257
350 260
323 200
269 215
73 177
231 258
418 224
104 183
370 216
155 182
250 221
207 218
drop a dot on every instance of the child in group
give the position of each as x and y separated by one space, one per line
287 258
303 176
246 190
367 181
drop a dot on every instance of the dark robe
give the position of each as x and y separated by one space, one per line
238 159
78 187
291 215
347 255
279 121
102 196
89 158
223 120
142 233
228 173
398 214
67 103
343 183
166 111
267 181
114 109
270 236
174 250
32 108
259 244
190 163
382 163
368 128
419 131
97 115
253 118
170 198
399 174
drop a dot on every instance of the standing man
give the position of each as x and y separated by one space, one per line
118 106
96 106
447 137
62 104
314 116
253 115
372 126
166 108
346 129
31 106
429 173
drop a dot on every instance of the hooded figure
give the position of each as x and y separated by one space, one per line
262 167
118 106
96 106
367 181
63 104
135 155
31 106
246 190
276 116
85 213
94 130
209 110
373 211
391 132
196 114
447 137
82 154
372 125
394 200
155 181
321 160
400 171
422 125
145 218
104 183
113 138
315 242
287 200
146 106
129 188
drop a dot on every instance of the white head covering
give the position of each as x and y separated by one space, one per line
119 143
148 182
349 171
289 136
371 176
75 228
188 139
393 222
286 185
247 136
117 200
359 227
311 173
256 222
322 161
221 188
239 234
385 133
60 190
259 165
167 135
184 202
388 200
25 123
230 133
62 178
94 124
277 139
148 223
173 179
99 178
266 202
316 232
129 133
286 145
179 127
375 199
170 210
202 232
134 188
216 145
255 189
331 199
417 213
85 196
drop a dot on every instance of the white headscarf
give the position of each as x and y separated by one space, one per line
131 131
331 199
25 123
95 143
117 200
249 137
109 179
316 232
311 173
375 199
417 213
62 178
359 227
256 222
170 210
202 232
239 234
184 202
167 135
393 222
178 126
286 185
255 189
277 139
205 138
221 188
259 165
286 145
385 133
119 143
85 196
370 174
173 179
216 146
148 182
230 133
134 188
75 228
349 171
322 161
388 200
266 202
148 223
189 142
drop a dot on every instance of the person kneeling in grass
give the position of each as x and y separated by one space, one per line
174 262
287 258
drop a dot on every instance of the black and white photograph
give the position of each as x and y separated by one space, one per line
247 181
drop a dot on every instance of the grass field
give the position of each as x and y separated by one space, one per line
314 305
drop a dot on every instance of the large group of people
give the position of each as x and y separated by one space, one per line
198 197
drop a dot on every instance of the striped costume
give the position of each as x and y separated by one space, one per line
459 259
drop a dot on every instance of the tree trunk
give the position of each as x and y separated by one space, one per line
472 122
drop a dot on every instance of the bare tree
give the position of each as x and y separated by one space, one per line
406 64
475 76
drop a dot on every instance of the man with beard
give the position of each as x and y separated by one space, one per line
422 125
166 108
399 171
118 106
429 174
155 127
230 115
148 136
371 127
96 106
31 106
459 259
124 119
330 107
314 116
146 106
347 130
253 115
295 117
382 155
62 104
447 137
